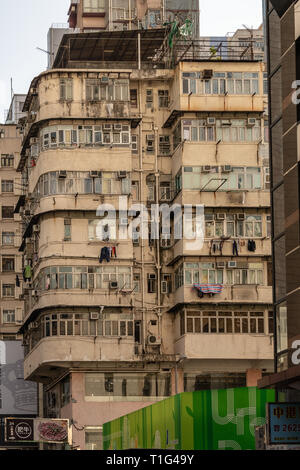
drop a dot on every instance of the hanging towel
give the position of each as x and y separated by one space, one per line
209 288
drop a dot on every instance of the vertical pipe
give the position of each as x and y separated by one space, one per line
139 51
158 266
141 196
129 13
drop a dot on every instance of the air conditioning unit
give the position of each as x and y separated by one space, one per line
240 216
95 174
211 121
251 122
151 276
94 316
206 169
153 340
221 265
117 127
226 122
207 74
113 285
36 228
164 287
122 174
226 169
232 264
220 216
62 174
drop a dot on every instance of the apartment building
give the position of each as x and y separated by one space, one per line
15 112
11 258
251 42
245 43
95 15
283 31
114 323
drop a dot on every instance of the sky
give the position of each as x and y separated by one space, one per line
24 26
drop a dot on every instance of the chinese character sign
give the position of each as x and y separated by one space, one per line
283 423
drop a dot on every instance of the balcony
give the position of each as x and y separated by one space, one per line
229 346
232 198
211 87
185 248
217 154
246 294
80 298
51 355
81 110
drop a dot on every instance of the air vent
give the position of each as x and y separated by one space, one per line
221 265
94 316
113 285
207 74
211 121
226 169
231 264
251 122
95 174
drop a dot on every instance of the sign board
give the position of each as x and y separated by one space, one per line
283 423
17 396
19 430
55 431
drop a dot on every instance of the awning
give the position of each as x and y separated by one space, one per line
108 46
281 379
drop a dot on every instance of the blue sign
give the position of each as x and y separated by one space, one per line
283 423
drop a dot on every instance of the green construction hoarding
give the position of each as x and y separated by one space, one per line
204 420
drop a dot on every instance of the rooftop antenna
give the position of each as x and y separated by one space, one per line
43 50
250 30
11 89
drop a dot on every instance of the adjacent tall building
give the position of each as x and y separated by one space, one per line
112 15
283 33
11 229
113 323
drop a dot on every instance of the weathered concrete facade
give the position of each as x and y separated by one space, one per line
12 306
109 337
